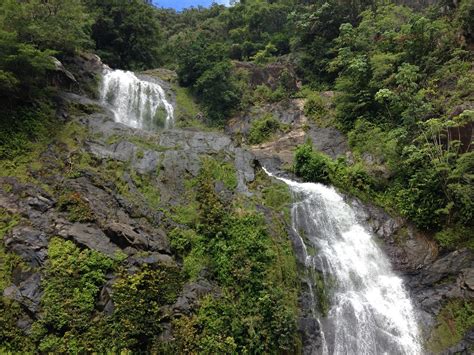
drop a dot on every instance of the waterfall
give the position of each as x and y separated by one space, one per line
134 102
369 310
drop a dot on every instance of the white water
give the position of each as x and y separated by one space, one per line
370 311
134 102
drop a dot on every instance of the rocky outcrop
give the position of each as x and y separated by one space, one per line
278 152
270 75
109 209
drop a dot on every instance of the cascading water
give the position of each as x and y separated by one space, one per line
134 102
370 312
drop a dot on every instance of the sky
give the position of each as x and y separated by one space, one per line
181 4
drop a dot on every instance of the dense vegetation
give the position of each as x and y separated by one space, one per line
403 82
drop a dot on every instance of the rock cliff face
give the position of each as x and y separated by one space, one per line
433 279
91 187
111 220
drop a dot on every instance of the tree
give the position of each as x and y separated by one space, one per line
126 33
60 25
217 90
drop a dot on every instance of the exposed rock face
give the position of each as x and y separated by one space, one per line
270 75
279 151
432 279
113 221
139 230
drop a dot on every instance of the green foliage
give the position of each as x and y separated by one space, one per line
315 106
67 311
8 261
126 33
455 237
211 209
147 188
454 320
138 299
61 25
253 265
263 128
277 196
310 165
77 208
264 56
263 94
217 90
316 167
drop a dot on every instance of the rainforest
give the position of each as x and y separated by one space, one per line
261 177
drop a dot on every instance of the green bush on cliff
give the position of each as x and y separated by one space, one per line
253 266
138 299
263 128
71 284
311 165
453 321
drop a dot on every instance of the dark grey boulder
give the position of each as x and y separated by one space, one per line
190 296
27 293
90 237
29 243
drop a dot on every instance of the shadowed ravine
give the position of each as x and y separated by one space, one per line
369 310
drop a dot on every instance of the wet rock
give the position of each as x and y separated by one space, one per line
105 303
311 335
282 148
152 259
451 264
407 249
192 293
244 165
329 140
40 203
62 76
27 293
464 347
91 237
125 235
30 244
149 163
467 279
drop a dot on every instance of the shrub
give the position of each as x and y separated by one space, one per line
314 106
77 208
310 165
454 320
263 128
138 299
69 310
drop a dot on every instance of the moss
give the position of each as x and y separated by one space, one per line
221 171
138 300
455 237
8 261
67 311
78 109
148 190
186 214
72 134
12 338
277 196
186 106
264 128
453 321
322 294
77 208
